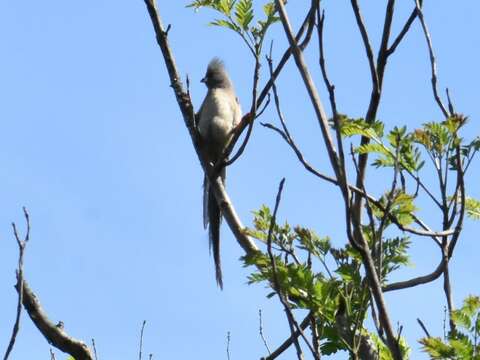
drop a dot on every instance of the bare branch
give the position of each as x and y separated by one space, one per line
367 45
420 280
54 334
94 347
312 92
403 32
21 249
260 330
228 345
252 116
284 59
424 328
433 61
140 346
274 270
330 88
287 343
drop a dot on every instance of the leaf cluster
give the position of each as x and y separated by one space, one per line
315 276
461 344
238 15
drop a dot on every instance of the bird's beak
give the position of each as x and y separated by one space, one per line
204 80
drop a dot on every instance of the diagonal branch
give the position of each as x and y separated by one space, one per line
433 61
249 118
287 343
358 241
21 249
54 334
186 107
403 32
420 280
294 326
367 45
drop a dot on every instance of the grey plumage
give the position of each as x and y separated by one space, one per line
218 116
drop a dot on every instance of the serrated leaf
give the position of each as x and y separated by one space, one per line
437 349
351 127
373 148
244 13
224 23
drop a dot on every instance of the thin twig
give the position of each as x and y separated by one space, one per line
403 32
252 116
312 91
291 319
367 45
21 249
433 61
94 349
287 343
424 328
140 346
260 329
331 92
228 345
276 285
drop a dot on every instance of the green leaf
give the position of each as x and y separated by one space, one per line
223 6
244 13
349 273
373 148
395 254
402 207
225 23
351 127
472 208
437 349
269 9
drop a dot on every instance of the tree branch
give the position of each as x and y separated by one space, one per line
54 334
21 249
433 61
186 107
287 343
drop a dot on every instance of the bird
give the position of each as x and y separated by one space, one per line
217 119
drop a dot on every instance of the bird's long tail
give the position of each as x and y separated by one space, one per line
212 217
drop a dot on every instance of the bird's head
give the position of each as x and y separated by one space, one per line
216 76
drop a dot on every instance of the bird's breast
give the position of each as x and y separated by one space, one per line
219 115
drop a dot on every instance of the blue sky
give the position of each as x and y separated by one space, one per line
93 144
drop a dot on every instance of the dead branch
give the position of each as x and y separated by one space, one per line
54 334
21 249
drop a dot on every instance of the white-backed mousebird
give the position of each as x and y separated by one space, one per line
218 116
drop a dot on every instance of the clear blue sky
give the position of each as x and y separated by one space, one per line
93 144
